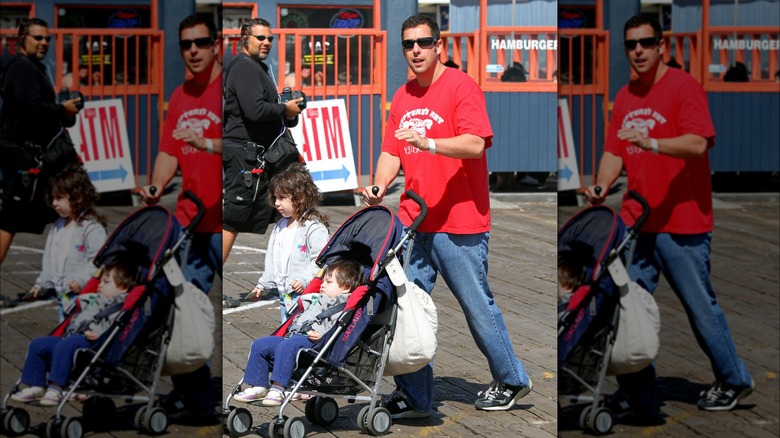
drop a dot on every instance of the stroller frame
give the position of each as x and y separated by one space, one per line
149 418
596 417
322 409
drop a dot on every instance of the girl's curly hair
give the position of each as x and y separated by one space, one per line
73 182
296 182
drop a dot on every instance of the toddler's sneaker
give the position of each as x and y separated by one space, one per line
274 398
29 394
252 394
51 398
500 397
723 397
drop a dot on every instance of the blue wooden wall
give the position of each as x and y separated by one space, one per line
747 132
524 131
586 102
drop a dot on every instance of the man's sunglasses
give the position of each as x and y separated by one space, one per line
647 43
41 37
262 38
424 43
202 43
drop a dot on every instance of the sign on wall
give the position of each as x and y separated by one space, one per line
100 138
323 138
568 172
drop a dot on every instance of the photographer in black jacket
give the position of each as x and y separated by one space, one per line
252 114
30 120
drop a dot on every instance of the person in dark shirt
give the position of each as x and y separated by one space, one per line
252 115
30 119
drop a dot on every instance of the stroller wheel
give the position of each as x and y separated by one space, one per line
326 410
53 427
600 421
16 421
378 421
295 428
239 422
276 427
139 418
156 421
362 419
585 417
72 427
311 407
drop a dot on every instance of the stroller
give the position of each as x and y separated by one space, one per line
588 324
350 358
128 357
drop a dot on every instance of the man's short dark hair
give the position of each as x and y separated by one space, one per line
246 27
26 23
417 20
640 20
196 19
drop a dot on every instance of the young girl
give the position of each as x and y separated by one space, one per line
296 239
73 239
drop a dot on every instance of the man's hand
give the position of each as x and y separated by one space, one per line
595 195
292 107
634 137
190 137
150 195
373 195
70 106
413 138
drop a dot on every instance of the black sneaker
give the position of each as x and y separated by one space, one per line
723 397
624 413
399 407
500 397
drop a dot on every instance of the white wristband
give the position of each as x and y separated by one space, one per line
209 145
654 146
431 146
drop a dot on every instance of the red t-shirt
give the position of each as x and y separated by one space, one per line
678 190
455 190
200 110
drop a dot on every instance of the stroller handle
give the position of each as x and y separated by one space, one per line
201 210
645 209
423 209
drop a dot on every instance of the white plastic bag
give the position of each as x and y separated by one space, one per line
637 342
414 341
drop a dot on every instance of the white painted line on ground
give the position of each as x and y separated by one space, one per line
26 248
248 307
247 248
27 306
246 272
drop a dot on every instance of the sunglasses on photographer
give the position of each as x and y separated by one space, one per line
647 43
202 43
41 37
262 38
424 43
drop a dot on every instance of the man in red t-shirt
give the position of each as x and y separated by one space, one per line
438 131
192 140
661 131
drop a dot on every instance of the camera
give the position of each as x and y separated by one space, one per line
288 94
66 94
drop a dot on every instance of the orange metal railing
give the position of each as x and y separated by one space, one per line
755 46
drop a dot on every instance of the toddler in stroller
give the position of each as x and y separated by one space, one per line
94 314
276 353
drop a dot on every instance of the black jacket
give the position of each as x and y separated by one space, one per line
30 112
252 111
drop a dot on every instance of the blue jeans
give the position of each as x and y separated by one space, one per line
202 259
53 354
685 262
275 354
461 260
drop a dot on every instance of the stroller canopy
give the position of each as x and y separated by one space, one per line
592 234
